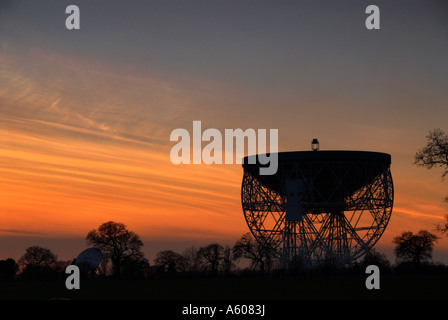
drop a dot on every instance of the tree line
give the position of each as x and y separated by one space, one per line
123 258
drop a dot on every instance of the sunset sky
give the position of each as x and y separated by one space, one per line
86 115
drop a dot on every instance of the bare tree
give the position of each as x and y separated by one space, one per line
414 248
376 258
8 269
227 259
443 227
121 246
211 256
192 259
247 247
170 262
435 153
36 256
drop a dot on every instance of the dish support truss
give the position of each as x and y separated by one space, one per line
318 213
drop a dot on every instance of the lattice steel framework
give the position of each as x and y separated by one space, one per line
337 210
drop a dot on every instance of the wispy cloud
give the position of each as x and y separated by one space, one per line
19 232
49 87
74 156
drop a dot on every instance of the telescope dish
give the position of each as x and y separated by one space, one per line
89 259
320 207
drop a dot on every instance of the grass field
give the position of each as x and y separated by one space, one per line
312 287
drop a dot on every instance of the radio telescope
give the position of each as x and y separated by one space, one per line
89 259
320 207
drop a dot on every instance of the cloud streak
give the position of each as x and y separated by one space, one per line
71 162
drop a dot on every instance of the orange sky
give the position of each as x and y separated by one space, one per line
84 140
64 174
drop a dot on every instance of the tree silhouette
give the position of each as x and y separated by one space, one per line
36 256
414 248
227 260
375 258
443 227
247 247
192 259
39 263
435 153
8 269
135 267
121 246
170 262
211 256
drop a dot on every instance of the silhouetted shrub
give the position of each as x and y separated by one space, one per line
8 269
